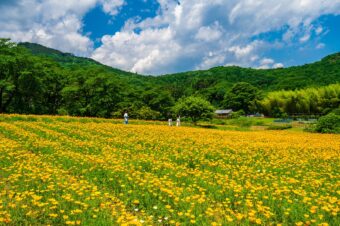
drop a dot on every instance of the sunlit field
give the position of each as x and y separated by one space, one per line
58 171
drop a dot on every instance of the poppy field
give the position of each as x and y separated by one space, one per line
56 171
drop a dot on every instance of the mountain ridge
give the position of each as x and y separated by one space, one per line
40 80
38 49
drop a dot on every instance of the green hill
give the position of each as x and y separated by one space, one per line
41 80
324 72
67 60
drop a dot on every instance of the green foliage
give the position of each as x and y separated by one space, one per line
336 111
242 96
237 114
328 124
39 80
62 111
302 102
158 100
147 113
279 127
243 121
195 108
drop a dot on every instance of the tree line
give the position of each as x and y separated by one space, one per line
31 84
62 84
318 101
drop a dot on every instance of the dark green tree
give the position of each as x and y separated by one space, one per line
242 96
159 100
8 73
328 124
21 75
195 108
92 93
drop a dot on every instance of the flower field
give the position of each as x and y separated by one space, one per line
55 171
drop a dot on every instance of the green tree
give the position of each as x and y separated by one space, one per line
195 108
92 93
242 96
303 102
328 124
146 112
21 75
158 100
8 73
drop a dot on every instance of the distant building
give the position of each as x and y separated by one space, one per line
223 113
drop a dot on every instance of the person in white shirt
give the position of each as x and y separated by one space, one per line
178 121
170 121
126 118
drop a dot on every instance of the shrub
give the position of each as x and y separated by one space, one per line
279 127
328 124
62 111
147 113
237 114
260 123
244 122
336 111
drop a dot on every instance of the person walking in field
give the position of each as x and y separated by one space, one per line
178 121
126 118
170 121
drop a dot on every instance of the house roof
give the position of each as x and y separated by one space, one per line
227 111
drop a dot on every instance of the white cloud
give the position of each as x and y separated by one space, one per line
319 30
209 33
267 61
278 65
195 34
198 34
305 38
320 46
112 7
54 23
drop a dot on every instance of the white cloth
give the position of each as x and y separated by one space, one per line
178 122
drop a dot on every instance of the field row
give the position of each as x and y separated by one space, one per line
100 173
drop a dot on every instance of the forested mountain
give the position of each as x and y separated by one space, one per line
40 80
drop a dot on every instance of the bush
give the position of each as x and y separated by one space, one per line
218 121
328 124
260 123
147 113
243 122
62 111
279 127
336 111
237 114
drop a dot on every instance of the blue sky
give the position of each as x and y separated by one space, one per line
167 36
97 23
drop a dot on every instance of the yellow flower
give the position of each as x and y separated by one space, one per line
53 215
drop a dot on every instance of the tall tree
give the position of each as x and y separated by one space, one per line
242 96
195 108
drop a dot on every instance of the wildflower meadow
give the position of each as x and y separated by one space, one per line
62 171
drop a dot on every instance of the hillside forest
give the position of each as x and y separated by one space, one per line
38 80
